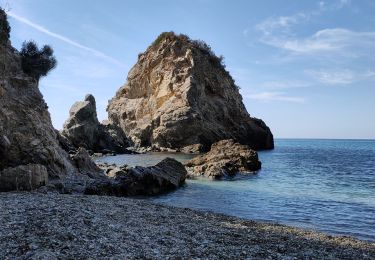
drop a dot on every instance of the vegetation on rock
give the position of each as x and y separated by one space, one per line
4 27
199 44
37 62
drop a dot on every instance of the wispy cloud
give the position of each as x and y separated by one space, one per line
285 84
274 96
343 77
340 77
327 40
64 39
278 32
332 6
283 23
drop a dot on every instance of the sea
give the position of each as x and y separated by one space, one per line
316 184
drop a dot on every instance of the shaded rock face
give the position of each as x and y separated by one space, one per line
167 175
85 164
23 178
82 129
26 132
226 158
179 95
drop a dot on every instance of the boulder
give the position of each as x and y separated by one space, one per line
178 95
23 177
167 175
82 129
226 158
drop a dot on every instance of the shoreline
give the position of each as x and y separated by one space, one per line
78 226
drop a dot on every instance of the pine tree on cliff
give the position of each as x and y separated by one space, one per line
4 27
37 62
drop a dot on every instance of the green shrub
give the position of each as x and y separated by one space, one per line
37 62
162 36
202 46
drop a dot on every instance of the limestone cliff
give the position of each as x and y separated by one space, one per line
27 138
179 95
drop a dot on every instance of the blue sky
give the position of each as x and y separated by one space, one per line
307 68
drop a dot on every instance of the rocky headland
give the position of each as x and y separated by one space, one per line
179 96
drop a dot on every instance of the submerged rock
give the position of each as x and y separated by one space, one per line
82 129
226 158
178 95
167 175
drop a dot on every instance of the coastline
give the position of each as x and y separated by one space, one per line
36 225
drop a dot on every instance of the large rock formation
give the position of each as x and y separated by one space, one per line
82 129
167 175
27 137
226 158
30 153
178 95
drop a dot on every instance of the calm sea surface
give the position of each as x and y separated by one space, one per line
326 185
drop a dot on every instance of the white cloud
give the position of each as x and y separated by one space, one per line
327 40
284 84
274 96
333 77
268 26
64 39
340 77
342 4
277 32
282 24
333 5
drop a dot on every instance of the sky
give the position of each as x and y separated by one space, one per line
307 68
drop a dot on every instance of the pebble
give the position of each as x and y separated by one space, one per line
81 227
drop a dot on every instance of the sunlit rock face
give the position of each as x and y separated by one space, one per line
178 95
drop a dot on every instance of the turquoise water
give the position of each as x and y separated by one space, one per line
326 185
